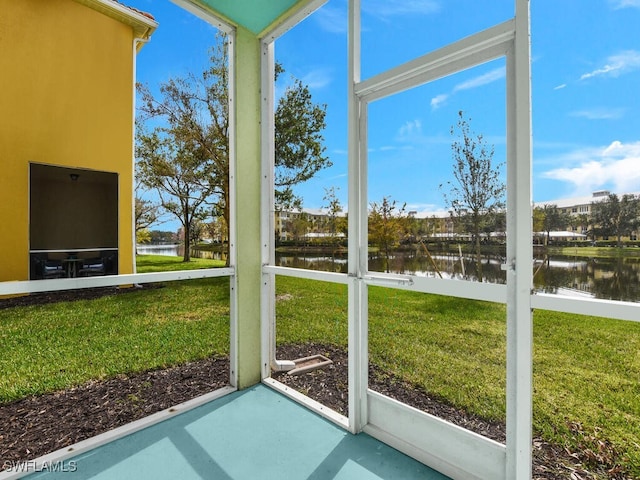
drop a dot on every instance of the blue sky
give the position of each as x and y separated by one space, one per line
585 91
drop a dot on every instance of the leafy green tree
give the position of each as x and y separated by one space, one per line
581 223
162 237
549 218
182 145
143 236
616 216
185 154
183 179
299 226
299 149
217 230
387 225
147 213
477 191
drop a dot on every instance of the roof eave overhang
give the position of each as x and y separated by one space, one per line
143 26
208 14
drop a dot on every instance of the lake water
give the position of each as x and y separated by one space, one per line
608 278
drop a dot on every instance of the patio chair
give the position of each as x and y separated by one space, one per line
46 268
92 267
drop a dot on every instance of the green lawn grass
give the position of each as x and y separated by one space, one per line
164 263
586 369
51 347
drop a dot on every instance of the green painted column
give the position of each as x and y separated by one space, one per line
247 61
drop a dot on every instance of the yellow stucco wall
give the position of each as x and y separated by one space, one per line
65 99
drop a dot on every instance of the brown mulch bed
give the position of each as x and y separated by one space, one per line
329 387
70 295
34 426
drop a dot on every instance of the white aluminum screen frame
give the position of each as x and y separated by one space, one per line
423 436
452 450
419 434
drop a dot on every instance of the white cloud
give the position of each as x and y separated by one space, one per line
318 78
314 79
616 65
332 19
392 8
560 87
617 4
475 82
410 130
438 100
599 113
615 167
480 80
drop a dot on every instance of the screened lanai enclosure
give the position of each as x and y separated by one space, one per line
253 28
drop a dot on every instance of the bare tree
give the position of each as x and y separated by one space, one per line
335 223
477 191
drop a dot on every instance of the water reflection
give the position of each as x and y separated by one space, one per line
178 251
326 263
607 278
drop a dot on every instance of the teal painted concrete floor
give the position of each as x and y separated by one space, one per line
255 434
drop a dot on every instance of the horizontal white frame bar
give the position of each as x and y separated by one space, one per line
452 450
331 277
74 250
387 279
35 286
317 407
490 292
461 55
117 433
587 306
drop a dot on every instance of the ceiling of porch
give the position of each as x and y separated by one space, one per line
254 15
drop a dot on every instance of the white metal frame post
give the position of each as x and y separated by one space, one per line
357 237
455 451
267 202
267 212
519 252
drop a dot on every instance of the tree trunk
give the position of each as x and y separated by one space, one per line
386 258
187 240
478 254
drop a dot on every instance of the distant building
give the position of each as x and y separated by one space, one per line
580 208
316 223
